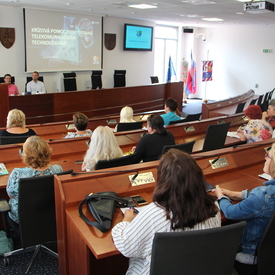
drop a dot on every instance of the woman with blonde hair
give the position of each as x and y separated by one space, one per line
126 115
37 157
16 125
103 146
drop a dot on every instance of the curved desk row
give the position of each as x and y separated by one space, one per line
84 249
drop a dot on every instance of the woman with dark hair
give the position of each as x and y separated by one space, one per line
257 129
180 203
150 146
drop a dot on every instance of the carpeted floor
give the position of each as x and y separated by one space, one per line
44 264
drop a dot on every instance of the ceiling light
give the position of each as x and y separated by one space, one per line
142 6
198 2
212 19
192 15
69 4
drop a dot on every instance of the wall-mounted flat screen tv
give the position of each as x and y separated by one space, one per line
138 38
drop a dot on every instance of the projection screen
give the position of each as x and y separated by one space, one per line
56 41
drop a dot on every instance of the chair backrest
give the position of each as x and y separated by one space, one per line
119 78
176 121
126 160
29 78
12 139
128 126
69 81
36 210
265 249
215 136
260 98
96 79
270 94
154 79
192 117
253 101
240 107
185 147
2 79
209 251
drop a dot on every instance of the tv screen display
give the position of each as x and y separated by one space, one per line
138 38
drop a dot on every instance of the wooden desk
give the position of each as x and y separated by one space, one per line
54 107
83 249
226 106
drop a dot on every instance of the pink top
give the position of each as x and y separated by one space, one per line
13 89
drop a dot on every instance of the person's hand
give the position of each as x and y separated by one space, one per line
134 148
235 195
129 215
264 115
218 191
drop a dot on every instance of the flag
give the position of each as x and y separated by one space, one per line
207 70
171 70
191 78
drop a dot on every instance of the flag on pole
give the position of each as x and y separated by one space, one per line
171 71
191 78
207 67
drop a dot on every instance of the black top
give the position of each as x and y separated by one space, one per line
150 146
10 138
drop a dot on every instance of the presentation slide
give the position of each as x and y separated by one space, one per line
56 41
138 37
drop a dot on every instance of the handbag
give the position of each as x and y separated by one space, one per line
102 206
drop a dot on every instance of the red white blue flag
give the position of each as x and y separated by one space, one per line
207 67
191 78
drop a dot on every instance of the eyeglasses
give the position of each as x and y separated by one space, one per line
267 156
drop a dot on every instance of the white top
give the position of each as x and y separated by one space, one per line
134 239
36 88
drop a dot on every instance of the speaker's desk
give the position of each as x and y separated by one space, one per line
85 250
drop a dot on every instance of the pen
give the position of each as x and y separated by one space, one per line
135 210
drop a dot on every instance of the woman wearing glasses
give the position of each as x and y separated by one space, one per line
255 207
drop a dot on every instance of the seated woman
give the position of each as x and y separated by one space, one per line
150 146
81 122
126 115
16 125
103 146
37 156
257 129
180 202
255 207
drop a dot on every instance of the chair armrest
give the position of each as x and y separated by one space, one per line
4 206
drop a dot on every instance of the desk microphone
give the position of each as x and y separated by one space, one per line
215 160
99 172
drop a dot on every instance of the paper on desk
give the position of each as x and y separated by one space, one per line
232 134
140 208
265 176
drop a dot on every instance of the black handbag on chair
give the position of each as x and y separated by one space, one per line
102 206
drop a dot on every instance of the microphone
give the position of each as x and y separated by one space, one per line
100 172
215 160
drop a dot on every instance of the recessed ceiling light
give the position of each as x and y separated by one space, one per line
212 19
239 13
192 15
69 4
142 6
199 2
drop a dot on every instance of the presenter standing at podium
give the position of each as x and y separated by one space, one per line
35 86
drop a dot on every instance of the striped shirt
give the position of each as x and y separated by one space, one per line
134 239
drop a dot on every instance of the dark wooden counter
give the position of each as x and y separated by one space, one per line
54 107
